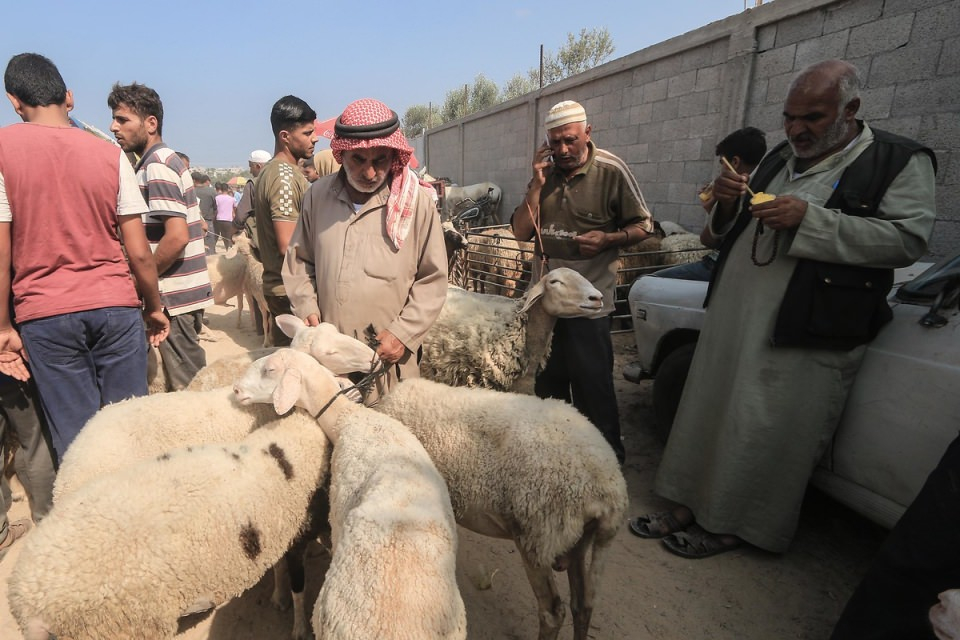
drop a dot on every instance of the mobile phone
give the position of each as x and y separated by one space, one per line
546 141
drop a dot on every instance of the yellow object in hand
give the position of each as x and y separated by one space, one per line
760 196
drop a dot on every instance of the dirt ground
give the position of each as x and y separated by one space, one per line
646 593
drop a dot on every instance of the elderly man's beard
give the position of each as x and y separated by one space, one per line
831 138
364 186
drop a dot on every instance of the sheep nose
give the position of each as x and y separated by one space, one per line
598 297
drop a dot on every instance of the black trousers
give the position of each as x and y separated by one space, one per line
580 369
919 559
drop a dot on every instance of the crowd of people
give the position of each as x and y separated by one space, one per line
350 236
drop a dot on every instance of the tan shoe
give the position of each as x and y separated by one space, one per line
15 531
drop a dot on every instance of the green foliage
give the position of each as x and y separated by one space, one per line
579 54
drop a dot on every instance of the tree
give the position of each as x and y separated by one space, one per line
462 102
520 84
579 54
419 117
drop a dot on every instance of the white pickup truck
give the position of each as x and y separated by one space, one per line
903 410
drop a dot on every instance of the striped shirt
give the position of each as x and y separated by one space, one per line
167 187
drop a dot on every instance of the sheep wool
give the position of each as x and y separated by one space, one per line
122 433
129 553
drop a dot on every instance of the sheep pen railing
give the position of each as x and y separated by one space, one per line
496 263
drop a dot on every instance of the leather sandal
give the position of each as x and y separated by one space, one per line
656 525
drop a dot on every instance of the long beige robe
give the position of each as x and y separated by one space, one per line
754 420
342 266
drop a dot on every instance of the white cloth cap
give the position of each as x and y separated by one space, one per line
564 113
260 156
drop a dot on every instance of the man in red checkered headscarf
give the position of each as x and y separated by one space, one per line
368 248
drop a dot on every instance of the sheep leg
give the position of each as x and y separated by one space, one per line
281 585
295 567
240 307
583 581
550 609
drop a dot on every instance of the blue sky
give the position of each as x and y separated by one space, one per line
220 66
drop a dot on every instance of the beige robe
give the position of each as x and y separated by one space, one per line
342 266
754 420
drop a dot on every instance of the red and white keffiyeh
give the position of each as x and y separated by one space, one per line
369 123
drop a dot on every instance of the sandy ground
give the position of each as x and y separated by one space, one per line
646 593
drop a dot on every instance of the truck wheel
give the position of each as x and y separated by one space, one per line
668 387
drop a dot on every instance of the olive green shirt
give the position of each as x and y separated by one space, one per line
277 195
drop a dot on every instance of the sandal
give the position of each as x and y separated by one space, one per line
656 525
696 543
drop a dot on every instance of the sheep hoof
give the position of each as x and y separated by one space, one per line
281 601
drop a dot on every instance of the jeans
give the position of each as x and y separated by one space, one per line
700 270
580 368
83 361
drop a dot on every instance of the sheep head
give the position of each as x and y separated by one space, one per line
338 352
287 378
564 293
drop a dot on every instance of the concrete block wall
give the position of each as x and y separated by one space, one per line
664 108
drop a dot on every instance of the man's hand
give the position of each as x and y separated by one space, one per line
313 320
12 355
592 242
541 160
158 327
783 212
728 187
390 349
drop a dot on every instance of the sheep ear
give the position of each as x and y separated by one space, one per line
289 324
287 393
534 293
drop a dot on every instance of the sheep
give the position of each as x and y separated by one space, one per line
253 281
123 433
637 259
129 553
526 469
225 371
392 574
682 248
499 262
232 268
491 341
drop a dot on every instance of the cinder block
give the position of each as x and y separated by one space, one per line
693 104
875 104
908 126
620 119
668 172
950 57
639 152
687 149
940 131
692 217
694 59
949 168
775 61
613 101
641 113
627 135
757 91
682 192
632 96
661 151
833 45
882 35
655 91
897 7
799 28
663 210
704 126
650 131
708 78
700 172
778 86
849 14
937 23
666 109
666 67
946 194
927 96
916 61
643 74
681 84
766 37
645 173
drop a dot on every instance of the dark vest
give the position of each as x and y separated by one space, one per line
829 305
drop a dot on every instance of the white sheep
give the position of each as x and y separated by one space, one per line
120 434
526 469
232 271
492 341
127 554
682 248
252 282
224 371
392 574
